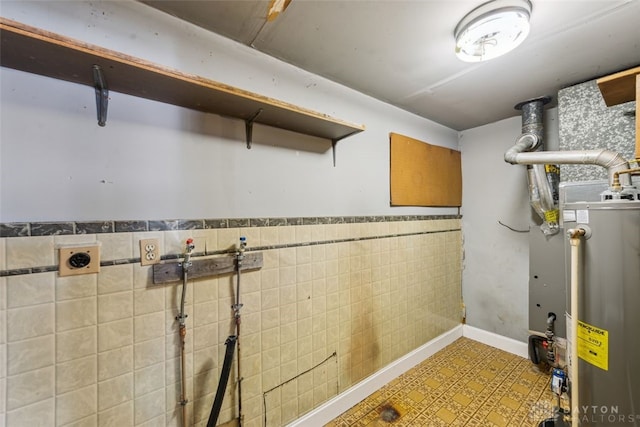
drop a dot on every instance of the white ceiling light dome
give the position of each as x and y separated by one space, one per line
492 29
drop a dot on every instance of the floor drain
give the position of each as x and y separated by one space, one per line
389 414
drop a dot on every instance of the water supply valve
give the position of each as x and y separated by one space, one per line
190 246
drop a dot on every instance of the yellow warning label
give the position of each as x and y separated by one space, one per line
551 169
593 345
551 216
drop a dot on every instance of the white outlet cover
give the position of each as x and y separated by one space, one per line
149 251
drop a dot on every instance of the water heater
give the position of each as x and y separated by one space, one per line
608 333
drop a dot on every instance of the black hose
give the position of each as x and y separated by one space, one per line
222 383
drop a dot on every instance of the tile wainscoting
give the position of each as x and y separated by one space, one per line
102 349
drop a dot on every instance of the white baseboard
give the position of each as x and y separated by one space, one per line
509 345
345 400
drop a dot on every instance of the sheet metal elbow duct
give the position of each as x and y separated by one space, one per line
610 160
543 183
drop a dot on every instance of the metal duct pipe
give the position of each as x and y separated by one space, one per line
532 117
543 179
610 160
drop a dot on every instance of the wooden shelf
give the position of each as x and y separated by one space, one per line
619 87
623 87
41 52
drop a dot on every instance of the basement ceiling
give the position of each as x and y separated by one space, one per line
402 52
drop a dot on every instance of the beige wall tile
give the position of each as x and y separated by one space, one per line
75 314
90 421
24 252
116 246
251 323
228 238
269 278
39 414
205 360
252 236
172 371
142 276
205 336
270 298
3 300
75 405
149 326
250 343
115 362
30 387
75 344
288 332
76 374
157 421
270 259
250 282
72 287
271 358
114 335
149 406
205 313
3 253
393 293
318 233
303 255
149 379
211 239
115 278
287 257
115 306
205 290
149 353
270 338
148 300
30 289
23 356
270 318
30 322
118 416
303 233
286 235
287 276
252 301
269 236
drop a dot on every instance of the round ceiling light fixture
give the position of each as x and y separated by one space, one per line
492 29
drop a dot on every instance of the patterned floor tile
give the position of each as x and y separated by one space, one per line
466 384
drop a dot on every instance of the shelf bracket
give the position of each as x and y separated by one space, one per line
248 127
102 94
334 143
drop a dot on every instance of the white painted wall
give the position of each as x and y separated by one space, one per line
495 279
158 161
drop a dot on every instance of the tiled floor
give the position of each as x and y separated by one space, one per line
465 384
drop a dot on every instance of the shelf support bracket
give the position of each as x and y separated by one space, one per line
248 127
334 143
102 95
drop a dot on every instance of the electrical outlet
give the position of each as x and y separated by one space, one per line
74 260
149 251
